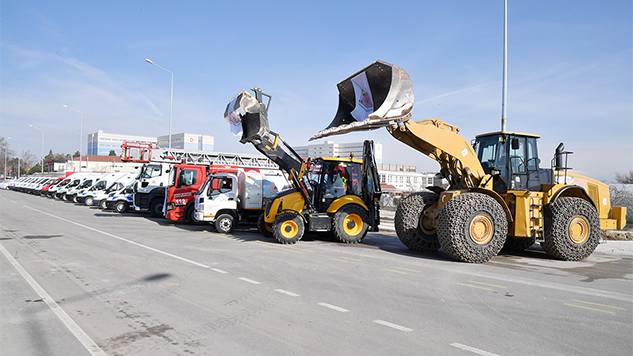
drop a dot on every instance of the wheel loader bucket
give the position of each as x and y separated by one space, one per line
377 96
247 116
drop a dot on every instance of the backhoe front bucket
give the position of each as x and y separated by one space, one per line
379 95
247 116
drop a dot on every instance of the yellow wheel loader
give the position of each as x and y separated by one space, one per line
329 194
499 195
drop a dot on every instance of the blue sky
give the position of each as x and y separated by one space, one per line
570 74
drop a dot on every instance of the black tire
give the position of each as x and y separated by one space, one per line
156 208
264 228
121 207
572 229
350 224
190 215
103 204
288 228
518 244
414 229
472 227
224 223
89 201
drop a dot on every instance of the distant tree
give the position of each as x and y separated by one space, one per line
28 159
5 152
76 154
35 169
112 153
624 178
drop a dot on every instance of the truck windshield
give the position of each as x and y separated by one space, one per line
151 170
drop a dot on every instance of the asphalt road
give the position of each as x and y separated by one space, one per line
81 281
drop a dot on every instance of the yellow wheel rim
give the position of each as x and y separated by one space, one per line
481 229
579 230
289 229
353 224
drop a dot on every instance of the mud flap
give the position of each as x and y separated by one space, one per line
377 96
248 116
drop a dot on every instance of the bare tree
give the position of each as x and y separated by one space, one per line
624 178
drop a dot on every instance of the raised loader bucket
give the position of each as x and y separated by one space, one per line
379 95
248 115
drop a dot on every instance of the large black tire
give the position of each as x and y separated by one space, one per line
121 207
472 227
288 228
350 224
156 208
224 223
89 201
103 204
518 244
572 229
414 229
264 228
190 215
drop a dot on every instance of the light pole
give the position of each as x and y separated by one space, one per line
81 124
19 149
37 128
171 100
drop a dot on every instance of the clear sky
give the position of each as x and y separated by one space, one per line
570 74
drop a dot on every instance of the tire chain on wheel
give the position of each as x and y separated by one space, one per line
453 223
407 221
557 242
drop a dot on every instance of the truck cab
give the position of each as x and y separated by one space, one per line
185 180
149 189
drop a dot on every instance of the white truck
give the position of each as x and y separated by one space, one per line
98 190
227 198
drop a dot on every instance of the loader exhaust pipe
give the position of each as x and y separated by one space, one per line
377 96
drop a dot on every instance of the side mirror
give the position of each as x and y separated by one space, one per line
515 144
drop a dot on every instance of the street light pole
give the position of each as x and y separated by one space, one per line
171 100
37 128
81 124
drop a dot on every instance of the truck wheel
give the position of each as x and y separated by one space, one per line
413 228
350 224
103 204
264 228
190 215
288 228
224 223
573 232
89 201
518 244
121 207
156 208
472 227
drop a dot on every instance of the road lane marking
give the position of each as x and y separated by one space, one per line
600 305
85 340
392 325
487 284
219 270
351 259
407 269
472 349
472 286
122 239
336 259
334 307
249 280
394 271
287 293
588 308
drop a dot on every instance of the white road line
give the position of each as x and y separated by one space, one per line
473 350
249 280
219 270
392 325
287 293
85 340
122 239
334 307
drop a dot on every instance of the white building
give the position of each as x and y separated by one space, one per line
101 143
331 149
188 141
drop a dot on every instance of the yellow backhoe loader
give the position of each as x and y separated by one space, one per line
329 194
498 194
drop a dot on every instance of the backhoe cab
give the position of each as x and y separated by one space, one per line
336 194
498 194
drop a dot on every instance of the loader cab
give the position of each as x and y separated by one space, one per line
332 178
512 158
